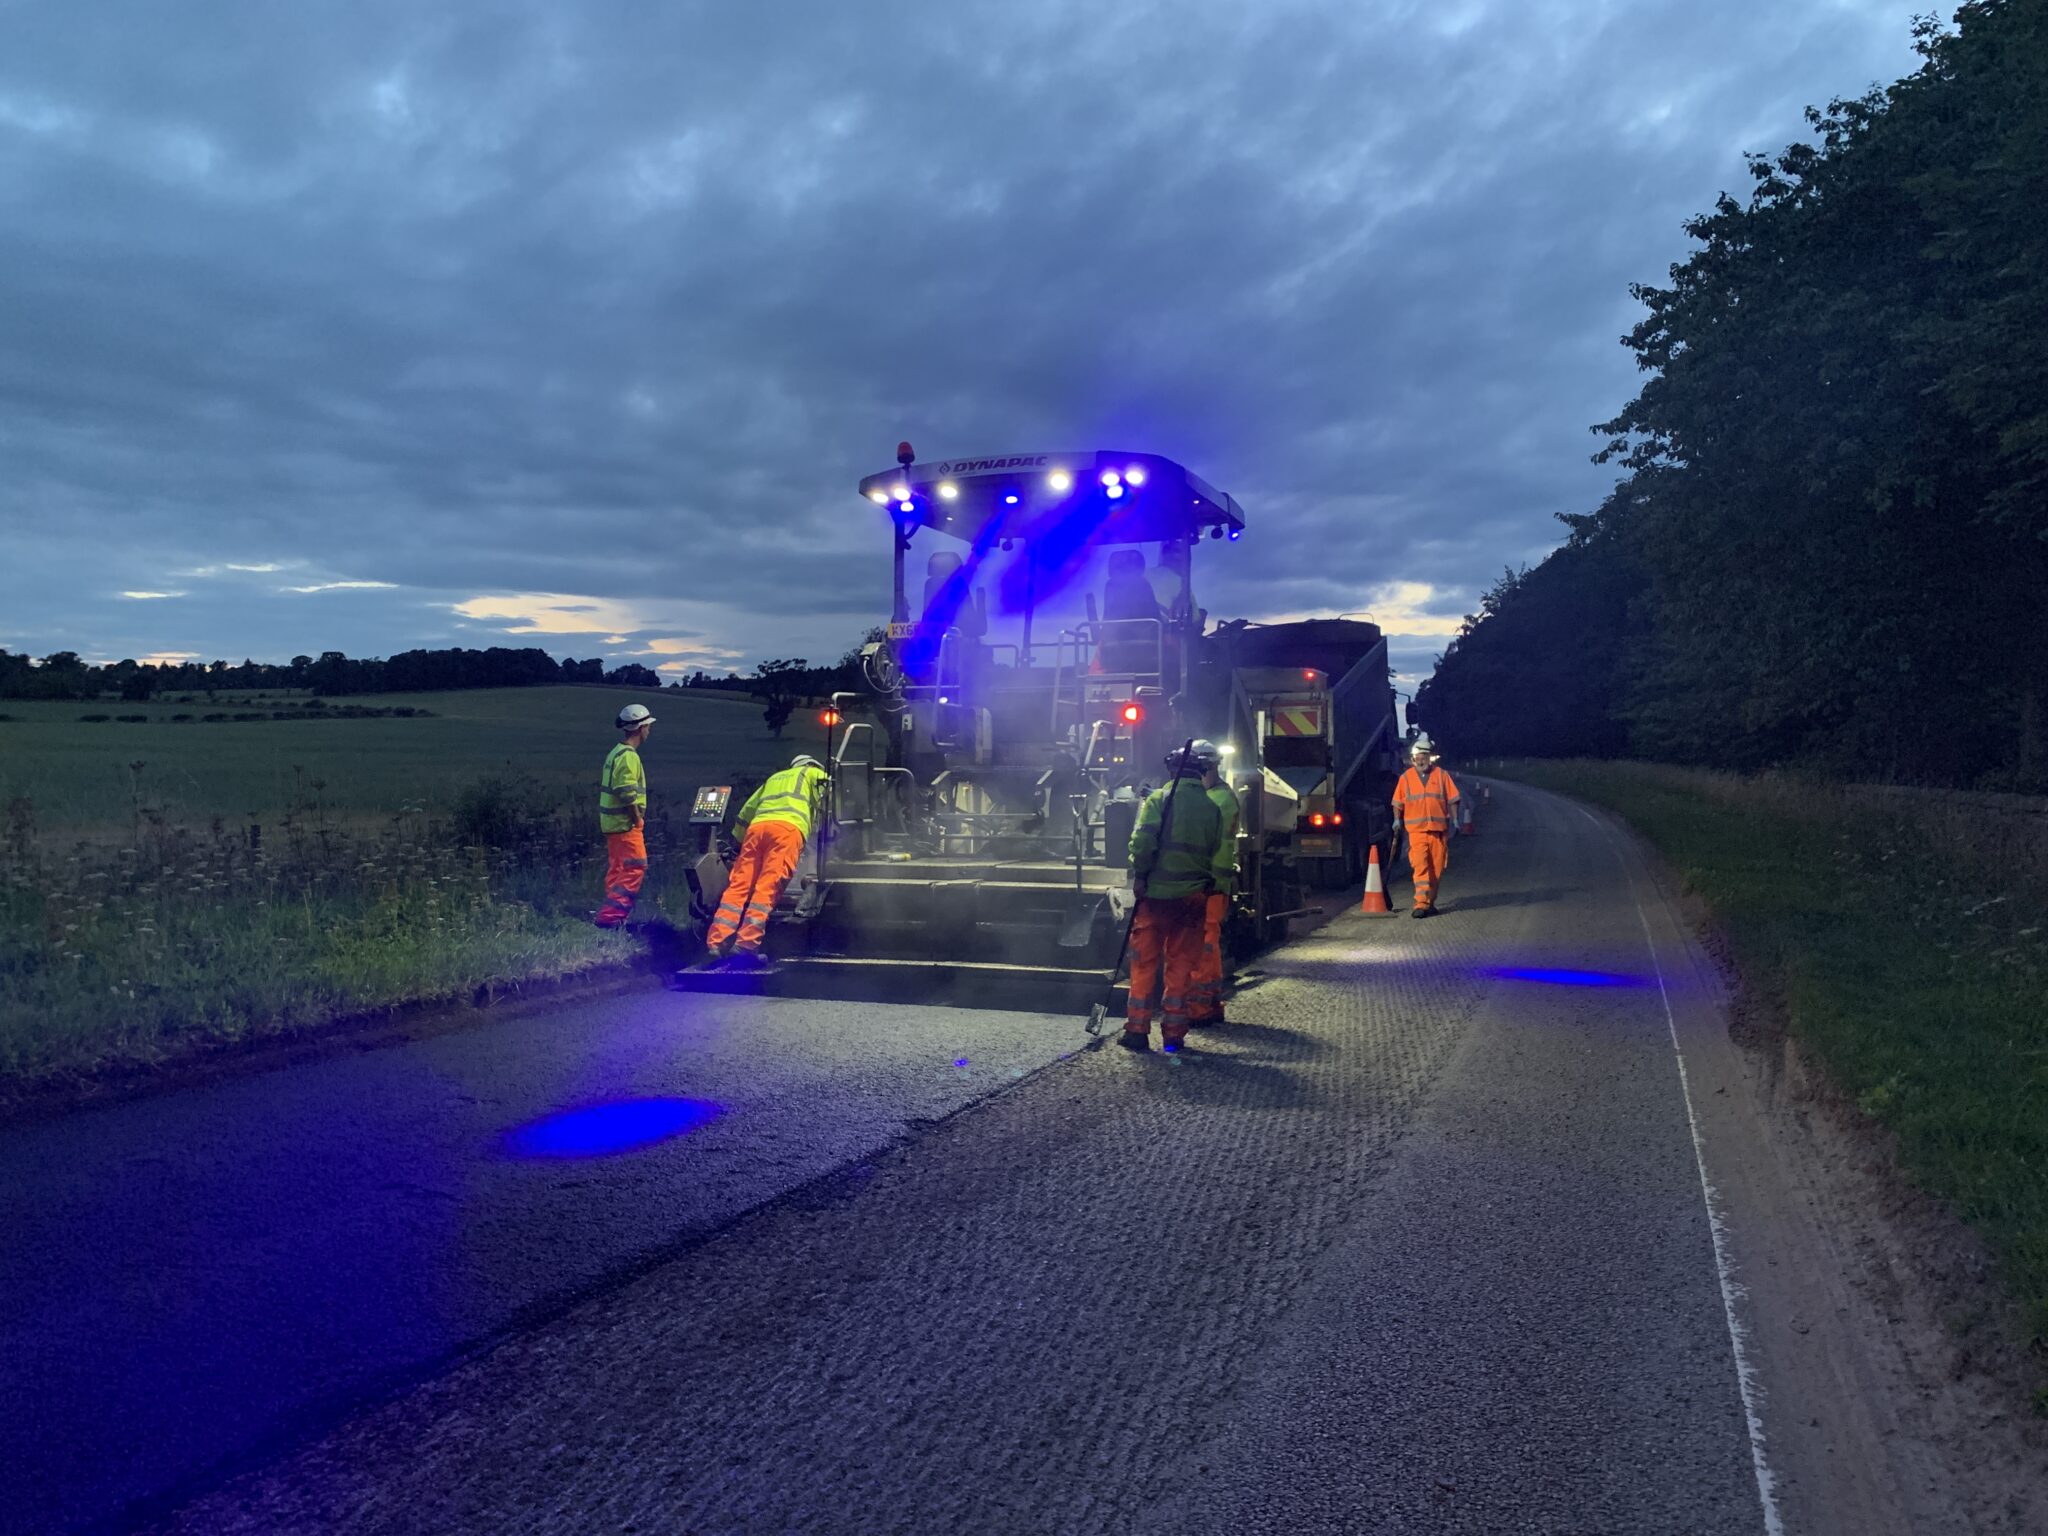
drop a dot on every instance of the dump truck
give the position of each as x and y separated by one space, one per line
1032 679
1314 701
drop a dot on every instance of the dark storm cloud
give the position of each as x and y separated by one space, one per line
615 303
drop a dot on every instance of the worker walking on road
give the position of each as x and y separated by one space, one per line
778 818
1426 808
1205 996
622 816
1182 850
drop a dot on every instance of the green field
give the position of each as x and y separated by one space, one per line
1902 938
77 775
170 887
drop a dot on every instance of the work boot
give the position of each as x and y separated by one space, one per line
1131 1040
1423 912
744 959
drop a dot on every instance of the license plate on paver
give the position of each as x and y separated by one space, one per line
1319 847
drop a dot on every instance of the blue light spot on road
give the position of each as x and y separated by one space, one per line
1550 977
960 1061
605 1130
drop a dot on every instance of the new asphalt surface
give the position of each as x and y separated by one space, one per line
1418 1243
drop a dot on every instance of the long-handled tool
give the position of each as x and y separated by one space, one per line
1098 1016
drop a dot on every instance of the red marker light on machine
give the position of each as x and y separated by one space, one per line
1133 713
1337 820
1317 819
829 717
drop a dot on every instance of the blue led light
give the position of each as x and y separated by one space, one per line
1113 491
960 1061
1010 500
906 506
605 1130
1236 532
1554 977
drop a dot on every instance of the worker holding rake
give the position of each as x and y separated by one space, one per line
1182 849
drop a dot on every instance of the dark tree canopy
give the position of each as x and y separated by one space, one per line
1832 540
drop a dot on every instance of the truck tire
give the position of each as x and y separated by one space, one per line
1325 874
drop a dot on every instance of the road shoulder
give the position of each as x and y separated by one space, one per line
1861 1296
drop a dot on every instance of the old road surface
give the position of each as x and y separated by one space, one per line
1451 1231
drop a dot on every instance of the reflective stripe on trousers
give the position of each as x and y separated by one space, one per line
1427 855
625 870
766 861
1166 949
1205 993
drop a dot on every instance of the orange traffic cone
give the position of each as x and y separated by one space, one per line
1464 819
1375 903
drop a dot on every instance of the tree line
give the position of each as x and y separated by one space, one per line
782 685
63 675
1829 547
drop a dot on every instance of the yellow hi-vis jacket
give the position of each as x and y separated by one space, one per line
794 796
1201 848
621 789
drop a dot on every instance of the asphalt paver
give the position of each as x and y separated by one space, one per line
1418 1243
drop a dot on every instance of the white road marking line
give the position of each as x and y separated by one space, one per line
1731 1288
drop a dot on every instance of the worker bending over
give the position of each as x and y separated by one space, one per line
1426 808
622 817
1182 849
778 818
1205 996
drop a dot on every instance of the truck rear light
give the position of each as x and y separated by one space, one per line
1317 819
1132 714
1337 820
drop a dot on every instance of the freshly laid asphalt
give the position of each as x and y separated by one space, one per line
186 1279
1417 1244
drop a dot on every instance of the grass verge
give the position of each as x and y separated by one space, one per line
186 939
1902 935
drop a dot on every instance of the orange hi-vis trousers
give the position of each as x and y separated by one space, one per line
1427 855
625 870
1166 948
1205 992
754 884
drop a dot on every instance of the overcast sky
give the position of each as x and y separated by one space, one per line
374 325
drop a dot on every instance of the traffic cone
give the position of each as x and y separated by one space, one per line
1464 819
1375 903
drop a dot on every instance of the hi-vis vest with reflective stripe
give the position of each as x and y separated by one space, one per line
1424 802
1201 842
622 786
791 796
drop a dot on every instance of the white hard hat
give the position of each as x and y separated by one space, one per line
1202 755
633 716
803 761
1423 747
